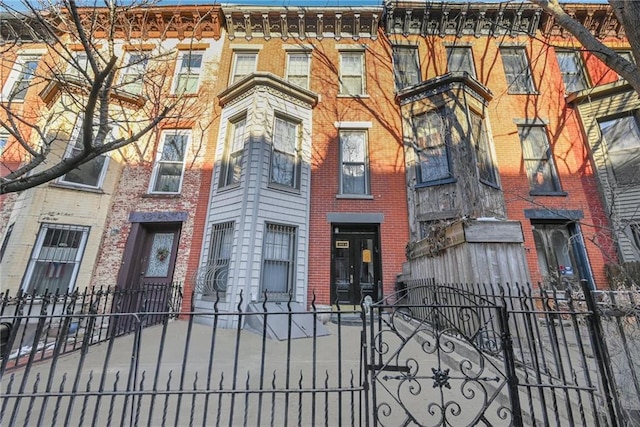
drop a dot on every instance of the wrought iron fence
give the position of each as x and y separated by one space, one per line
36 325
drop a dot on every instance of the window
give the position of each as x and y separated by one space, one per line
571 70
133 73
626 54
284 158
482 144
431 148
23 72
244 63
298 69
188 69
406 67
278 256
55 258
556 253
4 138
622 137
517 70
537 158
352 73
635 232
231 170
79 66
89 174
354 176
460 59
169 167
219 257
5 241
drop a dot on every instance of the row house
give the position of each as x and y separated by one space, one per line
326 153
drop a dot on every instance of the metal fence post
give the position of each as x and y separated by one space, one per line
601 355
510 367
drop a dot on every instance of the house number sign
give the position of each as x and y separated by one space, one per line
342 244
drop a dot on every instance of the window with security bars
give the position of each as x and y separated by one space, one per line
278 258
572 70
517 70
352 73
232 161
354 159
244 63
482 144
536 154
284 156
169 167
188 70
55 258
298 69
406 67
460 59
218 261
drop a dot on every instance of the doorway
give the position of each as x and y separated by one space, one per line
356 268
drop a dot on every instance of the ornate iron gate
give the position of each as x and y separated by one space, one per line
441 357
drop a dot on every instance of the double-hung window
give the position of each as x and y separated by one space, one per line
89 174
354 176
298 68
432 155
79 66
231 170
622 139
517 70
572 71
460 59
133 73
406 67
20 78
219 257
538 161
188 70
626 54
4 139
244 63
55 258
482 143
170 160
285 168
352 75
278 258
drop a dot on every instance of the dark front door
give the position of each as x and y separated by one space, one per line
144 283
356 269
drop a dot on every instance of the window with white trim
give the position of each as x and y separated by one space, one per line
20 78
572 70
133 73
628 55
188 70
231 170
354 160
244 63
352 76
285 168
79 66
432 154
5 241
278 258
168 170
538 161
406 67
89 174
55 259
298 68
460 59
621 135
517 70
4 139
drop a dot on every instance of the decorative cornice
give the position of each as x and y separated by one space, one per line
440 84
270 81
302 23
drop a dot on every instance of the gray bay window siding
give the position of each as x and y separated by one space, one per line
255 202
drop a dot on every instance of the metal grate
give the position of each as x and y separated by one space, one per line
278 258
